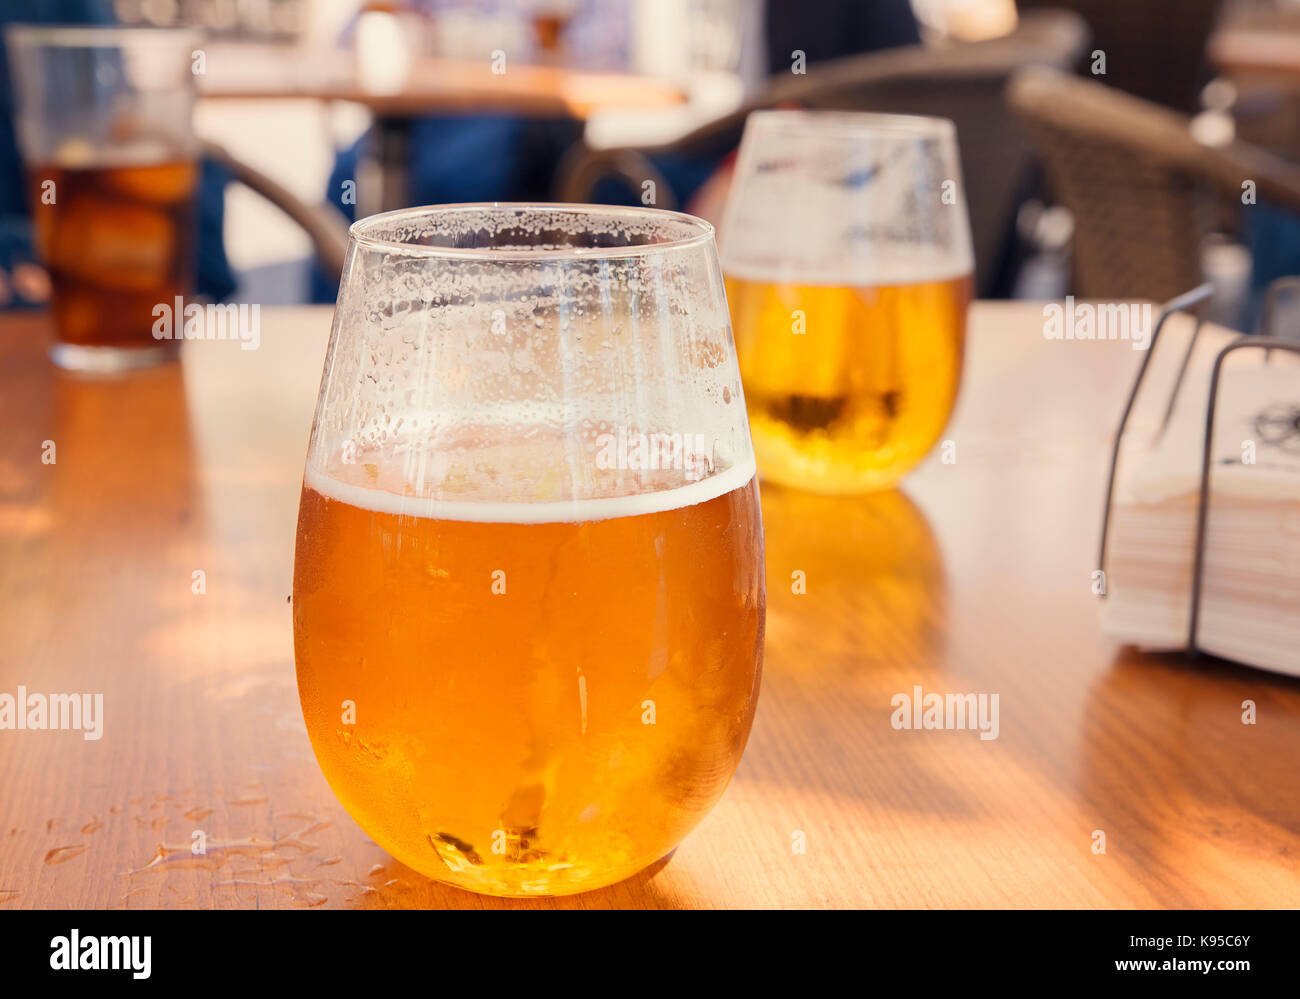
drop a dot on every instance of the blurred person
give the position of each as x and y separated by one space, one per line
819 31
23 281
825 30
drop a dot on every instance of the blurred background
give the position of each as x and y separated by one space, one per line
1111 148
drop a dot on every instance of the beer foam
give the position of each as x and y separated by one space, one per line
556 512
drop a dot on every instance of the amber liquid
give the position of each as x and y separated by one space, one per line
539 708
118 241
847 387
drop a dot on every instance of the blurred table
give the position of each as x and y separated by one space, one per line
246 70
1257 54
976 578
1257 42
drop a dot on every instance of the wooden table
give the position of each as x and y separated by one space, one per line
245 70
1257 42
1257 54
975 578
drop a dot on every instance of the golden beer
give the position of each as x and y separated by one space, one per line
847 387
528 698
848 259
528 590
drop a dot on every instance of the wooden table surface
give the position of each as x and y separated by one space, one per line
1257 53
974 578
248 70
1256 41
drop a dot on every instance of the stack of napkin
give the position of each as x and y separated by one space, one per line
1250 604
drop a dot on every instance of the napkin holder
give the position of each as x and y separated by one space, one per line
1270 345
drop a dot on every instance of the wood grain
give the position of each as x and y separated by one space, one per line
974 578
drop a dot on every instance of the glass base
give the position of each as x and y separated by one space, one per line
542 886
107 360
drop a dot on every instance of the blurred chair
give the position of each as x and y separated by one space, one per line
960 81
1261 91
327 231
1154 49
1144 193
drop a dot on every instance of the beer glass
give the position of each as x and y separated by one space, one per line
103 122
528 592
847 253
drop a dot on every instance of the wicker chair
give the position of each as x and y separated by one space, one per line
962 81
1143 192
324 226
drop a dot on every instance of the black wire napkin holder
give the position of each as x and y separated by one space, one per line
1266 341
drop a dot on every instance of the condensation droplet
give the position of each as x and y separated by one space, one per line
62 854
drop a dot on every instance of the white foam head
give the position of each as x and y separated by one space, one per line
557 511
483 356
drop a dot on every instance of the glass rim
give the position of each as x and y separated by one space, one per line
853 124
93 36
695 232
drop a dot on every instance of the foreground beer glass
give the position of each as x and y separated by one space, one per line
847 251
103 120
528 592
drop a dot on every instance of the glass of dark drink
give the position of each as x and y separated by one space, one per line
104 125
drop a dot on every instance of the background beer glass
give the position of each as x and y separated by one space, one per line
846 245
103 119
528 592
